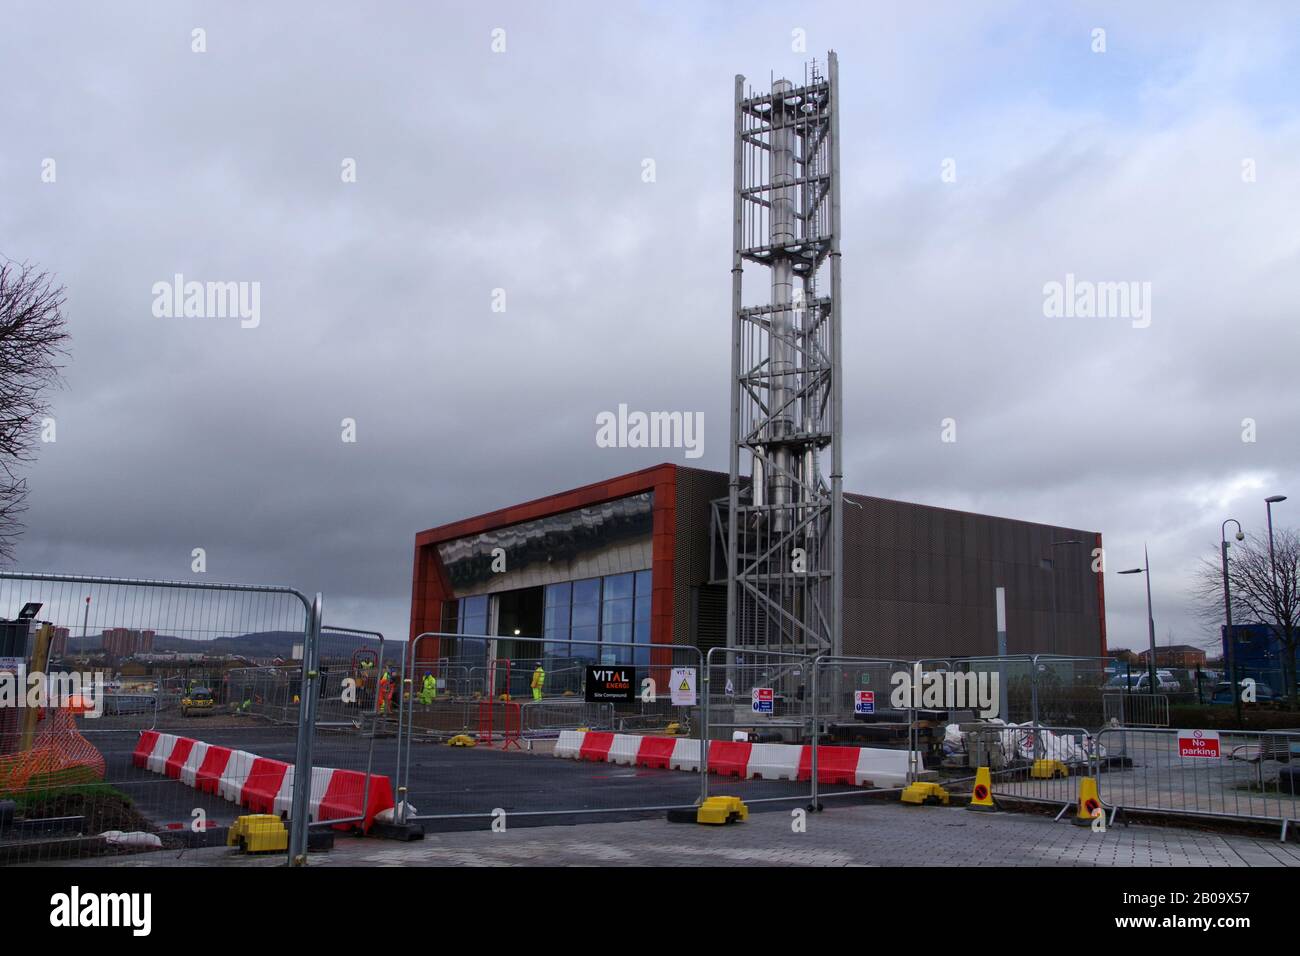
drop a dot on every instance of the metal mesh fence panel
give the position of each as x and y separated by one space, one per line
869 734
356 718
155 748
1133 709
1229 773
1071 690
1026 764
758 709
533 740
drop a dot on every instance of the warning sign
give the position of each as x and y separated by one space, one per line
1198 743
864 701
763 700
683 686
610 684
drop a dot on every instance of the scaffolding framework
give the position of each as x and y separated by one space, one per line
784 525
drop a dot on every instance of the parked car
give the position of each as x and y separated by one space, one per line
1223 693
1166 683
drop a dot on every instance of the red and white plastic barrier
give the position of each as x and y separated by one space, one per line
855 766
261 784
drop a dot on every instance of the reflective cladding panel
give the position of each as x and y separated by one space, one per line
586 542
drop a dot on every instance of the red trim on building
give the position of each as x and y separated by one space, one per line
430 587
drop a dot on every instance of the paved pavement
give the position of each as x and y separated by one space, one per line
872 835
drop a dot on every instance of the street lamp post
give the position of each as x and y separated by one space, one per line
1269 502
85 623
1227 613
1151 621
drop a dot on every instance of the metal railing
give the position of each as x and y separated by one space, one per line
119 789
549 716
1155 770
1136 710
512 771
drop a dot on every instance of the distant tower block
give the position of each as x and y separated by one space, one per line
784 525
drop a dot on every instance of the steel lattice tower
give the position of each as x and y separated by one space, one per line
785 525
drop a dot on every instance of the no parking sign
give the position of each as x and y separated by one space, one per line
1198 743
864 701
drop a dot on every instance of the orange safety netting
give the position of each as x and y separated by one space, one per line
59 752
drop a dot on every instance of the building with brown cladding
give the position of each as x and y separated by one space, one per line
636 559
1176 655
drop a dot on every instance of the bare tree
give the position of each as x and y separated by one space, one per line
1258 595
33 340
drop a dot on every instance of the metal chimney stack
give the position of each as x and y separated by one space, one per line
785 524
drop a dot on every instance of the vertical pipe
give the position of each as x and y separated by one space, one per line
1000 601
781 368
733 484
1229 653
1151 627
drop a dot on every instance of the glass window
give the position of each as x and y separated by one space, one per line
641 635
618 586
586 592
473 615
585 615
616 632
586 652
641 619
555 621
558 595
617 612
643 602
616 617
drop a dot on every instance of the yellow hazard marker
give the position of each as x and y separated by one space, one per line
258 833
1047 769
462 740
721 810
671 729
1089 803
921 793
981 797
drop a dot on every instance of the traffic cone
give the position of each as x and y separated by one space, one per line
1089 802
981 798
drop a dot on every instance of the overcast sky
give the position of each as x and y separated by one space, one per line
522 170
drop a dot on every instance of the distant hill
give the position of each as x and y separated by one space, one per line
256 644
